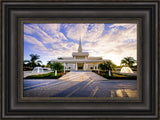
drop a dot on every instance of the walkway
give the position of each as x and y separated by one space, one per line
80 84
81 76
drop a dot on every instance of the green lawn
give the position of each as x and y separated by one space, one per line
119 76
116 75
50 75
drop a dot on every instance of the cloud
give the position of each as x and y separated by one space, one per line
76 31
28 30
47 33
111 41
119 42
50 28
94 33
53 30
87 32
36 44
64 49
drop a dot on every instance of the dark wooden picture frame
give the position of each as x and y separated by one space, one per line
22 21
14 12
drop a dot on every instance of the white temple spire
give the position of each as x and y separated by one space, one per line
80 46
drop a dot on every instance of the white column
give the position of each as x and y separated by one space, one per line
73 66
97 66
109 73
67 66
64 67
55 72
84 66
76 66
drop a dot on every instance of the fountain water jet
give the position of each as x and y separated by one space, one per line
37 70
126 70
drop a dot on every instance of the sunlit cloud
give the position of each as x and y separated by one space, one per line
36 44
110 41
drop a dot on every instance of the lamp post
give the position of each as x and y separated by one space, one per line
64 67
55 72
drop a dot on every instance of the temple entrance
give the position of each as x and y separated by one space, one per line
80 66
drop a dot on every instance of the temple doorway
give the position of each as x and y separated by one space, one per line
80 66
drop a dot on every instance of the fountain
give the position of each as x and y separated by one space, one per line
126 70
37 70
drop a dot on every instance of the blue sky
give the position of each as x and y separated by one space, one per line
110 41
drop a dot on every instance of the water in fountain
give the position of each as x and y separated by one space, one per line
126 70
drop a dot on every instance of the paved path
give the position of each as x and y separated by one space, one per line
81 76
80 84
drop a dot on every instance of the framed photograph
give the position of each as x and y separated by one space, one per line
54 70
80 60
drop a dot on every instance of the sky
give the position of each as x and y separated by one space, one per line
112 41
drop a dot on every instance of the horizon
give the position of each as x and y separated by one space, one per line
109 41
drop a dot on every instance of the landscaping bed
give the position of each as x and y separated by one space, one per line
116 76
50 75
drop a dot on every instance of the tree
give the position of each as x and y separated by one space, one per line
102 66
33 61
49 63
128 61
34 57
60 58
56 66
43 66
107 65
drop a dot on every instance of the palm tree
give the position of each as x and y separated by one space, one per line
32 62
49 63
34 57
60 58
107 65
128 61
110 65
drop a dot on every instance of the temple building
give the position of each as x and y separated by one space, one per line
80 61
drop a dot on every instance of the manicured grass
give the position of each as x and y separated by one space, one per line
50 75
116 76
